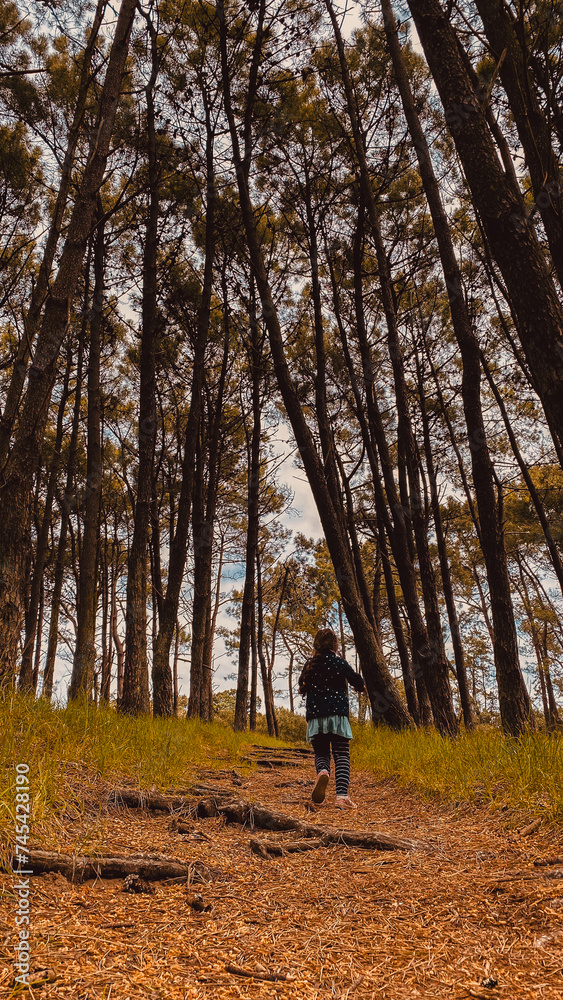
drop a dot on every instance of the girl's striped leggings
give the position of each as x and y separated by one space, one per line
322 744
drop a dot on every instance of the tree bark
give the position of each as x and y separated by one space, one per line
26 678
532 125
135 698
253 521
266 674
21 466
82 679
41 286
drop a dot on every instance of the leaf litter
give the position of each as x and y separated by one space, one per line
477 909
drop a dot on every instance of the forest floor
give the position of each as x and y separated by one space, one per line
470 916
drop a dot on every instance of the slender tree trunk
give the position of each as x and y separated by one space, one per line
24 457
161 677
253 673
385 699
37 660
253 522
269 706
26 678
85 651
459 657
531 122
105 683
199 605
201 696
115 633
135 699
41 286
175 667
65 510
513 242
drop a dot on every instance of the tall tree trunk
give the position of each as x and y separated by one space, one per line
65 511
41 286
513 244
135 699
385 699
26 678
201 696
161 676
266 675
210 629
105 681
532 124
37 661
253 673
83 669
202 555
253 521
459 656
513 696
22 464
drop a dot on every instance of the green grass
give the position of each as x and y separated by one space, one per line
523 774
69 749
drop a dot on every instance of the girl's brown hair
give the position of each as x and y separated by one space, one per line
325 641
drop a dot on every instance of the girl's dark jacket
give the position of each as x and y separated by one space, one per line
325 684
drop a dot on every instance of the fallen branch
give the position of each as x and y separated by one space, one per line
269 977
80 869
530 828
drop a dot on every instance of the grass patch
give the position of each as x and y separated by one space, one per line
69 750
525 773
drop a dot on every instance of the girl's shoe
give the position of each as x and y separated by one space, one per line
319 790
344 802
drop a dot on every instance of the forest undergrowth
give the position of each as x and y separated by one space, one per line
71 750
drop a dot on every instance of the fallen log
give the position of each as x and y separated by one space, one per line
76 868
256 816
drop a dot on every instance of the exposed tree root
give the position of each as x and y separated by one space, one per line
184 800
276 849
257 816
221 803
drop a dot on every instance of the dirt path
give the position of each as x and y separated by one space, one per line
473 917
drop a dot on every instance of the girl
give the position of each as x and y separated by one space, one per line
324 682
